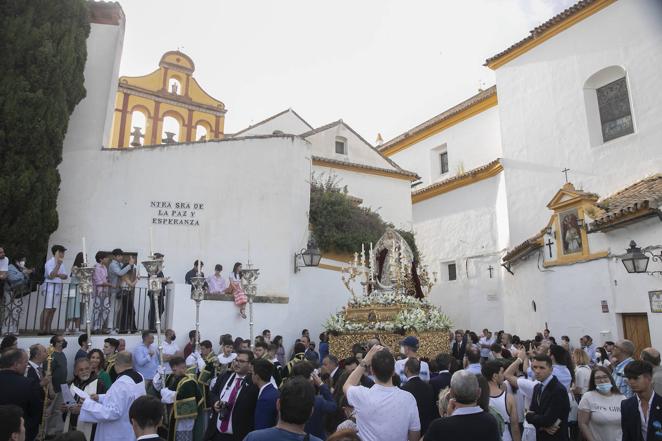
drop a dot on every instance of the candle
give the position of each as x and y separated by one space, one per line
372 271
199 266
249 250
356 260
84 252
151 241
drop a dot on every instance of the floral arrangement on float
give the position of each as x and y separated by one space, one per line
392 302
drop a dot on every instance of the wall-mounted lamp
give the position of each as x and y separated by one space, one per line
635 261
311 256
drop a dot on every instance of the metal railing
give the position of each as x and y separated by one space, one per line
60 308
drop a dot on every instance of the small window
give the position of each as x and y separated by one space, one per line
341 146
443 162
614 106
450 270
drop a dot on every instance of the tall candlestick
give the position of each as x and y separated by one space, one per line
363 255
372 269
151 241
356 260
199 266
84 252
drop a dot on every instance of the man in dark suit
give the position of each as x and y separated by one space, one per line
330 367
234 396
35 371
459 346
640 378
266 414
19 390
145 414
550 404
443 380
422 392
468 422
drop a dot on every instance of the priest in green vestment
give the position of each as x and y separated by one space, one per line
182 391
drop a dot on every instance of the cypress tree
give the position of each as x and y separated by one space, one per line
42 58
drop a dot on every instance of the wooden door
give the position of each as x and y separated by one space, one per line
635 329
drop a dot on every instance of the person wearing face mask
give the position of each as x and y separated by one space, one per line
87 381
599 414
59 377
170 349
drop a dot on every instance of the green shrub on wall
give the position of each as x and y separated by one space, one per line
41 81
339 224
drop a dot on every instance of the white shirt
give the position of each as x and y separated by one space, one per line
644 417
225 360
225 396
400 370
35 366
4 264
485 352
605 410
169 349
474 368
384 413
467 410
150 436
50 283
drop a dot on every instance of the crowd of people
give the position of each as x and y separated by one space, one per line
488 388
113 299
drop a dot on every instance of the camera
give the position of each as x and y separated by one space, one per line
225 410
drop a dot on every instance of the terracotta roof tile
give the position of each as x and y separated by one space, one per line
544 27
480 96
399 172
521 250
457 177
637 200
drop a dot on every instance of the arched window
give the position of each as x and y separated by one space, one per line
174 86
171 127
608 107
138 128
201 133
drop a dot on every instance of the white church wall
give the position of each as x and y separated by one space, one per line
470 144
631 290
461 227
286 122
324 145
567 300
91 122
543 114
390 197
113 198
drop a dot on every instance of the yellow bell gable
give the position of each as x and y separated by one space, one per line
170 92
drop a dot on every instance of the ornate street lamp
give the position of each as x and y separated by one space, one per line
311 256
153 265
248 278
634 260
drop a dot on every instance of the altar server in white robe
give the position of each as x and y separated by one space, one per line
111 410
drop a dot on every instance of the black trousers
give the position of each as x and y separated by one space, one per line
127 317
